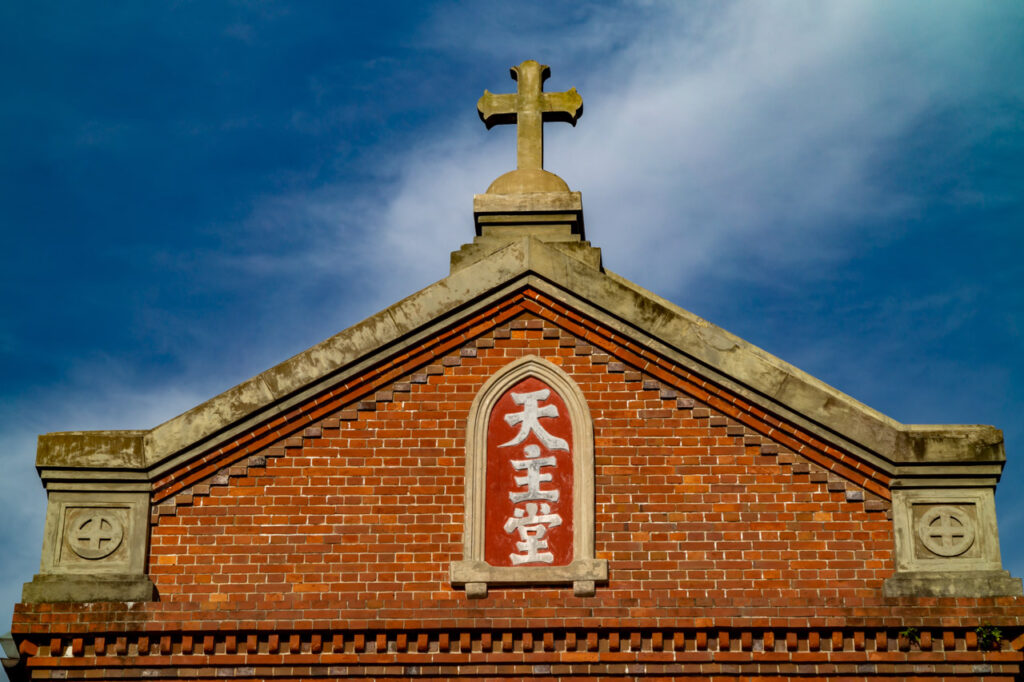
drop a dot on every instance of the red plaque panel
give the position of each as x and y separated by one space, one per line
529 478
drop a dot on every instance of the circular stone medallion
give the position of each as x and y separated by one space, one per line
95 534
946 531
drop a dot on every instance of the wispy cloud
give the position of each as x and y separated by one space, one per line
719 128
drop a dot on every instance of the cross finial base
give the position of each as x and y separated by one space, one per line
528 180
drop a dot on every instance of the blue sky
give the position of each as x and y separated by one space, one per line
191 192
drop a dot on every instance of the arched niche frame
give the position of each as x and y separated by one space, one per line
584 571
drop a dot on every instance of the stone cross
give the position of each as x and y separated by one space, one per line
529 108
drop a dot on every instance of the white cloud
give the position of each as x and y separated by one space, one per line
719 128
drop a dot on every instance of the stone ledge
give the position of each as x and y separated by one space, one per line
953 584
94 449
87 588
553 209
580 570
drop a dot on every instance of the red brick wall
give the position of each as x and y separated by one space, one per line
726 530
367 514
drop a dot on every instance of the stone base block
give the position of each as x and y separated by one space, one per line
550 209
484 246
953 584
46 588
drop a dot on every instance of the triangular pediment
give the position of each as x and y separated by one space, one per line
609 367
444 314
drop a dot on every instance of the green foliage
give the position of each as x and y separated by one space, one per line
911 634
989 636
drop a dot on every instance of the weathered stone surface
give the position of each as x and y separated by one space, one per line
953 584
93 588
100 449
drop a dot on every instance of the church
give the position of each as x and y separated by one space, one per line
531 469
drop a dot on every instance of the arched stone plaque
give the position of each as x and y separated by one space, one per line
529 516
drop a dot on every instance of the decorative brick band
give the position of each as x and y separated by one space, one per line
692 653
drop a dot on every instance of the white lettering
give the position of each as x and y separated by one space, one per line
532 528
533 479
529 417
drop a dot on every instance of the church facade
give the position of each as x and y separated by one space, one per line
532 468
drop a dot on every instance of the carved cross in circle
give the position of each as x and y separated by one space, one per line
95 535
946 531
94 531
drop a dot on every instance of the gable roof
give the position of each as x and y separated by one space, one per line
910 455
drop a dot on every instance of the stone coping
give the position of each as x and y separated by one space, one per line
905 452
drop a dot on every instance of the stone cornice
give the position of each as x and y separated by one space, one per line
912 454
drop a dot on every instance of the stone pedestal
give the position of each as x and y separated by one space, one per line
947 545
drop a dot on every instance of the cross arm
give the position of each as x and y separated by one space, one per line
496 109
561 106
